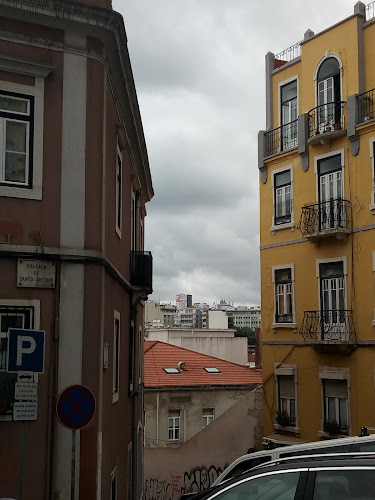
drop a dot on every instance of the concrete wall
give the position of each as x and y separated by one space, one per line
234 349
217 319
195 464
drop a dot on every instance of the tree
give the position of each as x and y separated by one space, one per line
245 331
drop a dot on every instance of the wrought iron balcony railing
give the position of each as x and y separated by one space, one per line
366 106
287 55
335 325
141 270
281 139
327 118
327 216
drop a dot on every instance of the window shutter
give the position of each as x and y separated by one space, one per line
286 386
335 388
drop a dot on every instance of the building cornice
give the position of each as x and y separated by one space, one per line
224 387
107 26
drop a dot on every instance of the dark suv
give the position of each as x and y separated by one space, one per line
318 477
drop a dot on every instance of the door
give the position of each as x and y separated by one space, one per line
333 323
326 98
289 115
331 208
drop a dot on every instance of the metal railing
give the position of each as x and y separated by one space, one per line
287 55
325 216
327 117
281 139
333 324
141 269
366 106
370 11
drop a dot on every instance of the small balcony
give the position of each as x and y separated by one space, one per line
329 330
281 139
327 122
326 219
141 270
366 106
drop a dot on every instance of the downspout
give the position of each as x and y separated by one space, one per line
157 419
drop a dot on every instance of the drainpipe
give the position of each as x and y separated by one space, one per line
157 419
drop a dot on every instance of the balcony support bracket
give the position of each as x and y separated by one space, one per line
354 144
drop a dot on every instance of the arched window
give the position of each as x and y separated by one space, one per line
329 92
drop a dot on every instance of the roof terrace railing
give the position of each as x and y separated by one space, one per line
370 11
287 55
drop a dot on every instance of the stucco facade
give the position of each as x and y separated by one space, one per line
316 162
73 196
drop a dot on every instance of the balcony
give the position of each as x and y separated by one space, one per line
326 219
281 139
329 330
366 106
326 122
287 55
141 271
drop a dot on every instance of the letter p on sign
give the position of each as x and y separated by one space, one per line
25 351
25 345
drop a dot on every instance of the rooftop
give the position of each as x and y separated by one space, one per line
159 356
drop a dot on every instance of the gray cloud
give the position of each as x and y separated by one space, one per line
199 72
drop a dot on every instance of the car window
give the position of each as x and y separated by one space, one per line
246 465
270 487
344 485
363 446
317 451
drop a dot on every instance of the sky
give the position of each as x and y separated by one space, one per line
199 72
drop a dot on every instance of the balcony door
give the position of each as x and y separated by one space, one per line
331 212
328 94
333 325
289 115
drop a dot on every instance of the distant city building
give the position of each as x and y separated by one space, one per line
241 317
181 301
189 300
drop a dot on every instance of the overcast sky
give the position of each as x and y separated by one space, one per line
199 71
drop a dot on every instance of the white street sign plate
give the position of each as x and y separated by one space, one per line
33 273
25 411
26 391
25 377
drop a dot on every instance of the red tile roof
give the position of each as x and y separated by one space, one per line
159 355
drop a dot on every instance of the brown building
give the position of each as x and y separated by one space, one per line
74 181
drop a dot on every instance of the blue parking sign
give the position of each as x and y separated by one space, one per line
25 351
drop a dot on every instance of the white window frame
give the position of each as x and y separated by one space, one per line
283 370
208 416
114 481
327 55
116 356
333 373
133 211
324 156
291 225
332 260
118 172
282 84
293 324
174 424
372 202
33 192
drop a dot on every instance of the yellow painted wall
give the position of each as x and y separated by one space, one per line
358 248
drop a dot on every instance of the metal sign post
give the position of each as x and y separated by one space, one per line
75 408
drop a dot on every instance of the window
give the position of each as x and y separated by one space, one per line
16 139
282 197
208 416
116 356
212 370
289 115
114 484
13 314
118 191
134 221
287 403
284 295
344 484
336 420
174 425
131 357
332 210
328 93
172 371
246 465
334 318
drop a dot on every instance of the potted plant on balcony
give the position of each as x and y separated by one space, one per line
332 427
337 126
282 418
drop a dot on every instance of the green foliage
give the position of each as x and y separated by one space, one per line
245 331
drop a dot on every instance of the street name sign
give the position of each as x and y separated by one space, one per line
34 273
25 351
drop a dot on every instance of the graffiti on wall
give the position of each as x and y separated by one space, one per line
197 479
156 489
200 478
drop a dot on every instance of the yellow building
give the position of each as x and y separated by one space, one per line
317 185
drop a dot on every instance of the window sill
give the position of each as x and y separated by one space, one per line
19 192
373 322
291 326
372 208
327 435
287 428
278 227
